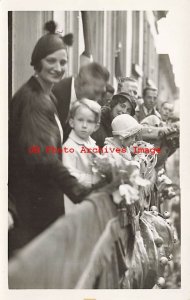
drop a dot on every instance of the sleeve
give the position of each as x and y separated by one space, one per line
71 162
68 183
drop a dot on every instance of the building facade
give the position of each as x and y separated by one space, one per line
134 33
166 83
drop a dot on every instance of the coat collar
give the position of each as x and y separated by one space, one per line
37 86
89 143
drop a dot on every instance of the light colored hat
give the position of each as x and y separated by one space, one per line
125 126
151 120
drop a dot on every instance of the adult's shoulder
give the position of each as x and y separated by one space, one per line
29 87
25 94
30 100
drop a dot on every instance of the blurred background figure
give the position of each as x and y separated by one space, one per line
150 97
120 103
107 95
90 83
128 85
166 111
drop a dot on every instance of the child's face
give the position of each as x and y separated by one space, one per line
83 123
129 141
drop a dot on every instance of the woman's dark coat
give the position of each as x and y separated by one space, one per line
37 181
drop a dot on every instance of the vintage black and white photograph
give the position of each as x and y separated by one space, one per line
94 181
94 127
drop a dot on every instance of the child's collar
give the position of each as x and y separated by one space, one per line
80 141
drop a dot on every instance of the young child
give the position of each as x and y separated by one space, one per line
124 129
84 120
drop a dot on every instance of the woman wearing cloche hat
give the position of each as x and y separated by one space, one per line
37 179
121 103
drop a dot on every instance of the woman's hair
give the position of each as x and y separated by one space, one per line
117 98
38 66
90 104
123 97
48 44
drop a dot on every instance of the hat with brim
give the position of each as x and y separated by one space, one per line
125 126
128 98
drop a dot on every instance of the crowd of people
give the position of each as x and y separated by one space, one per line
81 113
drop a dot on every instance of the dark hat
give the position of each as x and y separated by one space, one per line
49 43
127 97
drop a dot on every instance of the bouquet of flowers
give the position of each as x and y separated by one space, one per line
124 187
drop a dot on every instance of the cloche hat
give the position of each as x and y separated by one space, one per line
125 126
128 97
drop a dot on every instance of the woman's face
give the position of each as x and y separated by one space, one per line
53 66
121 108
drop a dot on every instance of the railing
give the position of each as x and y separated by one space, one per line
89 249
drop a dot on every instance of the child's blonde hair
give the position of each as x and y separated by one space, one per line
90 104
